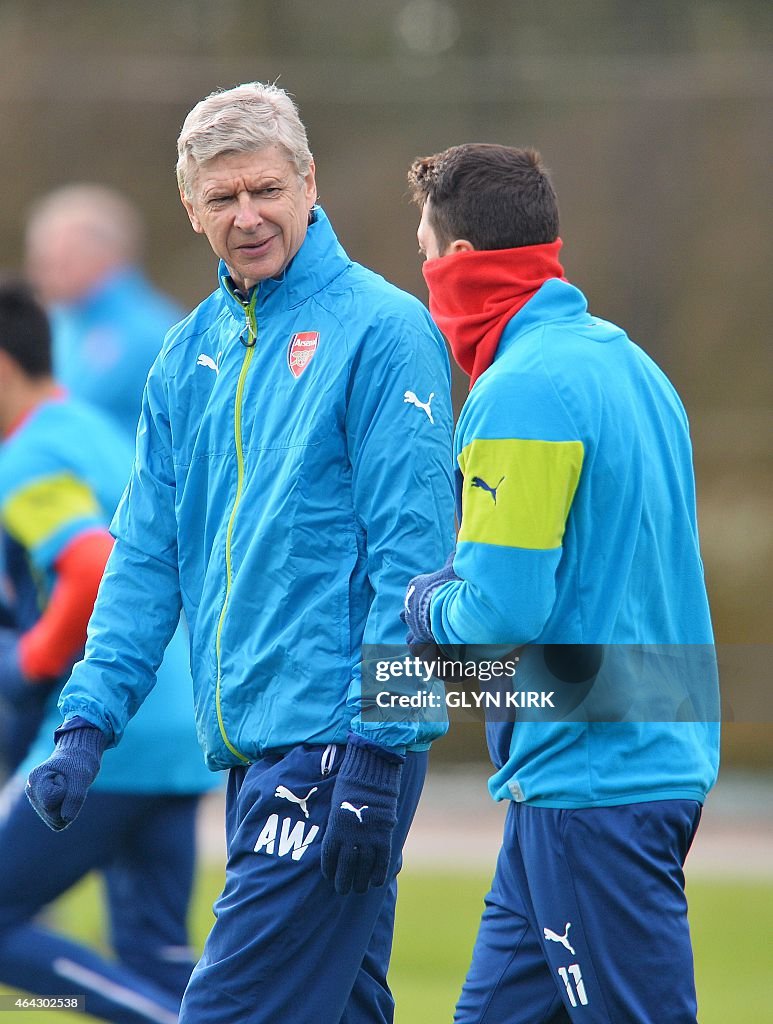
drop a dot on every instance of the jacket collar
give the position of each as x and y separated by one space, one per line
56 394
556 300
109 289
320 259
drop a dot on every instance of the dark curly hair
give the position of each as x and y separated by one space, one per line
495 197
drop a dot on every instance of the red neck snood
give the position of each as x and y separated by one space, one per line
472 296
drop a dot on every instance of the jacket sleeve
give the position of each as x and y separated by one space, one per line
401 460
138 604
55 517
49 647
520 459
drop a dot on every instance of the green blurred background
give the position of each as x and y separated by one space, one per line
655 119
437 918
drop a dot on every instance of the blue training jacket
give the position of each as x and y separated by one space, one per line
578 526
105 343
285 490
62 473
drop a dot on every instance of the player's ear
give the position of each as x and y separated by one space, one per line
310 186
459 245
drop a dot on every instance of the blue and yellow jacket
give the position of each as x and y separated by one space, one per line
62 473
285 489
578 526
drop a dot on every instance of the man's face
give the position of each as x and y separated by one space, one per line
428 242
64 259
254 210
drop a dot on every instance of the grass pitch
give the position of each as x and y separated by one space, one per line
437 919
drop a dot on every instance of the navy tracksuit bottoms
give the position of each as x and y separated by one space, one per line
285 947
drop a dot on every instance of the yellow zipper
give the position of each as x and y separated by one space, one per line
252 332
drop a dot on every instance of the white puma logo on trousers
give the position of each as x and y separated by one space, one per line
284 793
563 939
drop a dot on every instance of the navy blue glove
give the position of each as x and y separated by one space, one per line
363 813
57 788
418 596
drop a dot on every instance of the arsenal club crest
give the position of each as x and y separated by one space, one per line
301 351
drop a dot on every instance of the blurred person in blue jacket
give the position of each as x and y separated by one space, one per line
83 251
292 473
63 467
578 543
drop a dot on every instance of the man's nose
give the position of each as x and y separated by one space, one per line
248 216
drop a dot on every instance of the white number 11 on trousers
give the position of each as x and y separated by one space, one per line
578 986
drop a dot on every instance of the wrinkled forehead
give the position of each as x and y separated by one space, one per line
269 163
72 224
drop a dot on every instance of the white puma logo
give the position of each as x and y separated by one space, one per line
411 397
284 793
408 596
346 806
209 362
563 939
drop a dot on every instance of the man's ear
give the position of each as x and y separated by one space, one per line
310 186
459 245
195 222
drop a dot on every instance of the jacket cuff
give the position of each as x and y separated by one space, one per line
77 732
368 761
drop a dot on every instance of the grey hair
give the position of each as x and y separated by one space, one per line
244 119
108 216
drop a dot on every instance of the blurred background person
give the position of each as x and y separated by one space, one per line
63 467
83 249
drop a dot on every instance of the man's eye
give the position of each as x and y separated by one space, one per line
270 192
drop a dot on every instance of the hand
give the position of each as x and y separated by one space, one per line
418 597
357 846
57 788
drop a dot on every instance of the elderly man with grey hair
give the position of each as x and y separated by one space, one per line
83 253
285 490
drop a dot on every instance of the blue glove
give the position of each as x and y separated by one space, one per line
57 788
363 813
415 613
